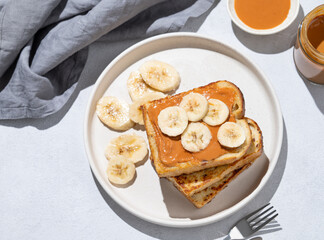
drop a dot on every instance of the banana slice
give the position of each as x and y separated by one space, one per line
196 106
196 137
130 146
136 86
114 113
120 170
173 121
217 112
231 135
160 75
135 112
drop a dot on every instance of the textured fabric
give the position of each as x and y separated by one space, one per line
43 44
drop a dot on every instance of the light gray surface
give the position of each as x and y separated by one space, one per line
47 190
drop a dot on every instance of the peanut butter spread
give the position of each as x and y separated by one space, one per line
170 149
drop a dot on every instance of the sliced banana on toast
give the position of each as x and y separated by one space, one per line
196 137
173 121
136 86
231 135
130 146
120 170
196 106
160 75
217 112
114 113
135 112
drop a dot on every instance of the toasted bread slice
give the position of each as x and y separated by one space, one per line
167 154
189 184
201 198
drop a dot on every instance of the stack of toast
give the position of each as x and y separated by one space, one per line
200 176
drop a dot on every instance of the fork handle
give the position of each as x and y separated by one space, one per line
229 238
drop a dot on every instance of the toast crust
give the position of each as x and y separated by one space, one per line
237 109
189 184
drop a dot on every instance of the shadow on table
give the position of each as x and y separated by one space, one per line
215 230
316 90
272 226
193 23
269 44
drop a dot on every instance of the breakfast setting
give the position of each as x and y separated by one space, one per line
162 119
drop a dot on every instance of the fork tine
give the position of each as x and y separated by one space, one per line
252 213
265 217
265 223
259 215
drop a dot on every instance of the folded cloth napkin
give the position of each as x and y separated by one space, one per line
43 43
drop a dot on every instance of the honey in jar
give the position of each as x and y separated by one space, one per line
309 47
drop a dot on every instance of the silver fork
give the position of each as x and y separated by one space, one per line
252 223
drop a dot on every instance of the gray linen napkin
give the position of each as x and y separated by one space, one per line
43 44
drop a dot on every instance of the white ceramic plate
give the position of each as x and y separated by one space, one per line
199 60
292 14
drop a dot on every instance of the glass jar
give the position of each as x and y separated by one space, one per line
308 60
